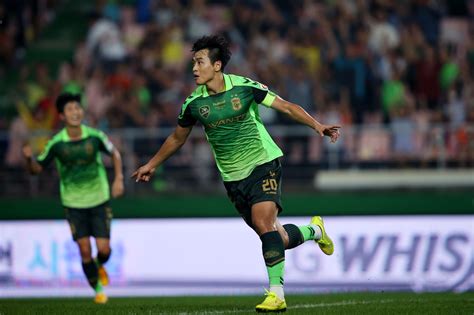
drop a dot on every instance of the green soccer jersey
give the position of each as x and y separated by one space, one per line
232 125
83 178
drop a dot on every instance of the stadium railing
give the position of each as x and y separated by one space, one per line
361 148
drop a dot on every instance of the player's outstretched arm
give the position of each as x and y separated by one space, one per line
171 145
31 164
298 114
117 185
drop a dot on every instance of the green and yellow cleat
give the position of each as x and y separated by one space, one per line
271 304
101 298
103 276
325 243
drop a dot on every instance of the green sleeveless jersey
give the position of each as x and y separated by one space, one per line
83 178
232 125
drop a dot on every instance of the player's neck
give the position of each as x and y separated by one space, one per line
216 85
74 132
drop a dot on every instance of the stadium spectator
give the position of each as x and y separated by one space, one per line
380 51
427 79
104 42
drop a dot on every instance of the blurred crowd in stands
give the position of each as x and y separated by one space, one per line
403 70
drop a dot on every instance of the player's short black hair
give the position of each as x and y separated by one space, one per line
65 98
218 48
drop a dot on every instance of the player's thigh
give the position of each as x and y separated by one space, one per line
85 248
237 196
264 217
101 220
264 185
79 222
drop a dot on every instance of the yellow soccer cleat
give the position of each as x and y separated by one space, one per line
101 298
103 276
325 243
271 304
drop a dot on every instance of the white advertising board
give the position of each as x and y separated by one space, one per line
206 256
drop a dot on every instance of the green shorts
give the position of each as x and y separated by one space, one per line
263 184
90 221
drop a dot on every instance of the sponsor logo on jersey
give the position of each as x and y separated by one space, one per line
221 122
204 111
219 105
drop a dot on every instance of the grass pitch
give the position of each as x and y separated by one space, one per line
337 303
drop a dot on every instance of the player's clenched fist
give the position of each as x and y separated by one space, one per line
27 151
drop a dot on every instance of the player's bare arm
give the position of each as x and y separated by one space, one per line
298 114
33 166
117 185
171 145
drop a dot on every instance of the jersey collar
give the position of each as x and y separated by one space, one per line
227 82
84 134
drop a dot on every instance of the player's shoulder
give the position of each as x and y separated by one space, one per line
238 80
197 93
57 137
92 132
97 135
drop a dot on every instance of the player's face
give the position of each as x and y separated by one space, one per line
203 69
72 114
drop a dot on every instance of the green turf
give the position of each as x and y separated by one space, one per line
347 303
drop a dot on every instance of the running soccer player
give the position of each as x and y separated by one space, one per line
245 154
84 187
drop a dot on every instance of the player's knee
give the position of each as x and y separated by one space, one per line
284 237
104 249
103 256
263 226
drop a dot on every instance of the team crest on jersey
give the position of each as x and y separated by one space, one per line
89 148
236 105
204 111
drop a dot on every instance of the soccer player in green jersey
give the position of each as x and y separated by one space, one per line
84 187
247 157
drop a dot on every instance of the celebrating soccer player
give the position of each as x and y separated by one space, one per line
247 157
84 186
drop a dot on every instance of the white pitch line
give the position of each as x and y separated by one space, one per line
298 306
338 304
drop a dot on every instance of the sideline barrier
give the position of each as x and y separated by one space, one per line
393 179
223 256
